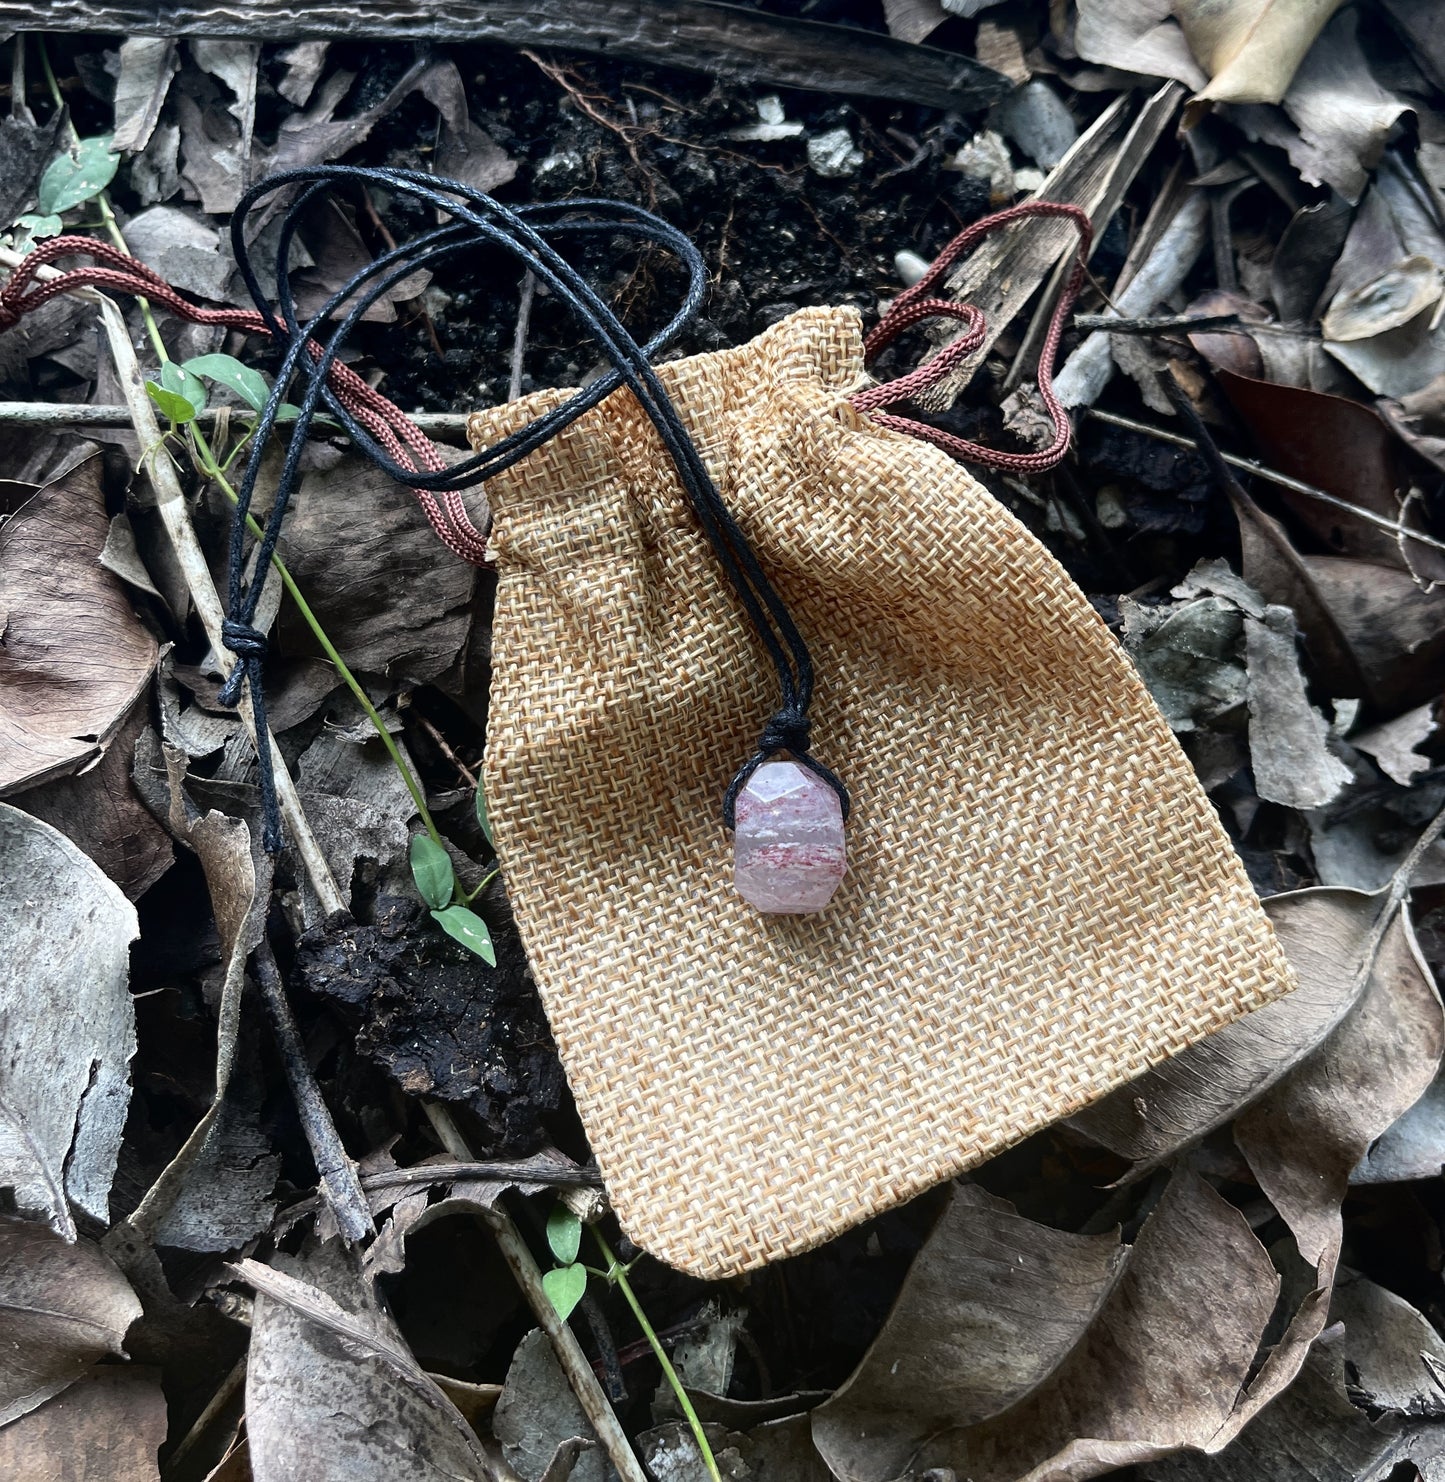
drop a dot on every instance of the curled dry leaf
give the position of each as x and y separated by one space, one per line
1137 35
1327 935
1336 117
107 1427
332 1389
1159 1368
75 657
1396 1358
1311 1433
68 1023
1393 744
1369 631
215 1193
62 1307
1251 48
992 1305
1394 298
1303 1138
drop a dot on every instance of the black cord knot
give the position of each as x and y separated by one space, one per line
786 730
249 644
243 640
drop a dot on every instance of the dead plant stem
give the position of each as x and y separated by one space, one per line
528 1277
336 1173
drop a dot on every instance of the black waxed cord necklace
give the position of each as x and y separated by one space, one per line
477 221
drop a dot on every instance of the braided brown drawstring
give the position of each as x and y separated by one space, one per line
403 440
914 305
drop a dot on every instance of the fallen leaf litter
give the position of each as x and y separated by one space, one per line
1275 1187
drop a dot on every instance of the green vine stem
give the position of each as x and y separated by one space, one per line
617 1272
208 464
102 199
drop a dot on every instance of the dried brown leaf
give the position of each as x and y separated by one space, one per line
304 64
74 656
1251 48
107 1427
1396 1358
147 64
352 522
1137 35
333 1391
1303 1138
1334 444
68 1023
1311 1433
1369 631
216 1192
1159 1368
538 1412
1327 935
1393 744
1336 117
913 20
62 1307
993 1304
1288 737
102 813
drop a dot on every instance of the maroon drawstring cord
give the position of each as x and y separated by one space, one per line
410 447
403 440
914 305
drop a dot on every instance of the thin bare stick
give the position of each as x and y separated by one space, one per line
171 502
519 340
564 1341
1259 471
335 1171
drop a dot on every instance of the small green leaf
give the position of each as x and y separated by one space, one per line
250 385
469 929
172 403
40 226
431 868
76 176
177 379
482 818
564 1287
564 1233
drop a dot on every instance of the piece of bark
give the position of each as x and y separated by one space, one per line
740 45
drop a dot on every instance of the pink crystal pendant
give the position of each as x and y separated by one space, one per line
788 848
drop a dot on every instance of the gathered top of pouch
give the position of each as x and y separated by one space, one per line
1039 902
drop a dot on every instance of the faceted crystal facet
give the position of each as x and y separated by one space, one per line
788 849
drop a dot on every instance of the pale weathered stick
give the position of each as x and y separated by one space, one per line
172 505
564 1341
1088 369
67 414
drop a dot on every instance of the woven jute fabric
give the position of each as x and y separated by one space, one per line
1040 902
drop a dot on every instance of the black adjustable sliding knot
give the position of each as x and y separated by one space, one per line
249 645
472 221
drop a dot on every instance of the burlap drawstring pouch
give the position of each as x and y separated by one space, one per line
1039 902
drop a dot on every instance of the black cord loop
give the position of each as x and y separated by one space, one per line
527 233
